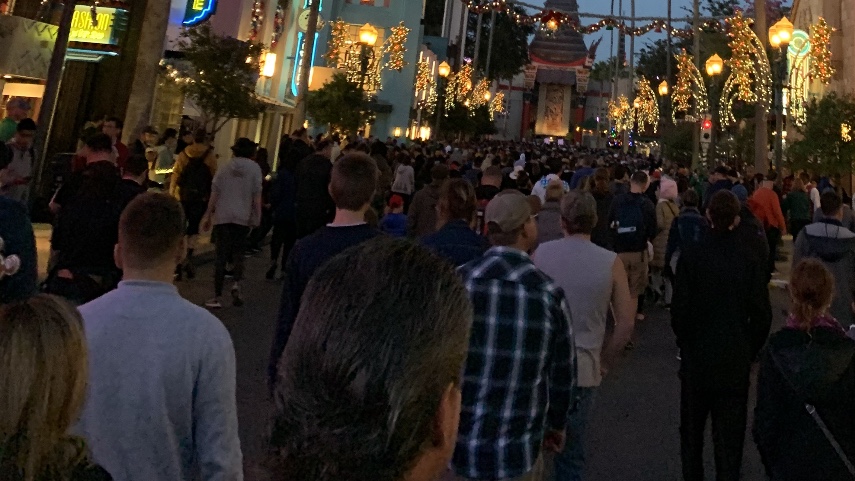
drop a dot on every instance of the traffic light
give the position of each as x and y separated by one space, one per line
706 129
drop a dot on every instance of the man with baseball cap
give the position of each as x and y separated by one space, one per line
17 110
521 369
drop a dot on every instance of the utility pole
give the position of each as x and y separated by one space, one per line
761 134
490 43
696 126
52 84
464 33
670 52
306 58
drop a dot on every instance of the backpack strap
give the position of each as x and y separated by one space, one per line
814 415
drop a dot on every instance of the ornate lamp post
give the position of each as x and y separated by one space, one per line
663 88
443 70
780 35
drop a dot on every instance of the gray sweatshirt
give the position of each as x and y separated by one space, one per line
161 397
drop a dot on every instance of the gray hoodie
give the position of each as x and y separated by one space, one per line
237 185
834 245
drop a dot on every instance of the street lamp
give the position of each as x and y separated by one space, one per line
663 88
780 35
368 35
443 70
714 65
487 96
361 59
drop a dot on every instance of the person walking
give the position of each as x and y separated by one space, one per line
456 240
314 206
602 235
796 208
666 211
234 209
721 317
593 280
686 231
633 218
422 215
352 186
283 198
549 215
806 387
394 222
405 180
17 109
834 245
15 178
509 416
191 183
43 392
766 206
162 370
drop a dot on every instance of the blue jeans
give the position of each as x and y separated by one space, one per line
570 463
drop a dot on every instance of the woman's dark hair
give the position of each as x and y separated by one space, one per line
601 181
372 353
169 133
457 199
723 209
690 198
811 288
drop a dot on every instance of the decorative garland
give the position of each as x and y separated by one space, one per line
750 77
464 82
551 20
395 47
337 43
497 106
278 26
690 84
423 75
647 112
479 94
820 51
257 20
451 92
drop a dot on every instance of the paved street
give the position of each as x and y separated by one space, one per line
634 432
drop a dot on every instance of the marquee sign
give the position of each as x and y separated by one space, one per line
110 22
198 11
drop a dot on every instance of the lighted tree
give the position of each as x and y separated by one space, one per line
820 51
827 145
647 112
219 74
750 77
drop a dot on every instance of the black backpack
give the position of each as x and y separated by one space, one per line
630 221
196 179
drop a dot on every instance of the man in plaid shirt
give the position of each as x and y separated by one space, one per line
520 373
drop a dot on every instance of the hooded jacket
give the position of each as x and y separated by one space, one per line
821 366
191 151
834 245
422 215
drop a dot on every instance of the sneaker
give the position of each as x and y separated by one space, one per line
214 303
236 299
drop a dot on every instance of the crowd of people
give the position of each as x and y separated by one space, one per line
449 310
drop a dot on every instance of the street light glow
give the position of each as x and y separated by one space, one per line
368 35
663 88
444 70
785 30
714 65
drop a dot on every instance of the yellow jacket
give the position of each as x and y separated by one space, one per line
194 151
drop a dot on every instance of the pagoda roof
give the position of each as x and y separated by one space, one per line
565 47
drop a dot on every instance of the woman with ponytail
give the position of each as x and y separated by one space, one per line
804 422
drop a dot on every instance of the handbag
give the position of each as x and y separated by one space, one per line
815 416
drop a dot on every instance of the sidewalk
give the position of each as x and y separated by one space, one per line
43 233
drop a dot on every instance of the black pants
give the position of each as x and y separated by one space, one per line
773 237
259 233
728 412
284 237
230 242
796 226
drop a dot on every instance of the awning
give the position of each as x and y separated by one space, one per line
555 76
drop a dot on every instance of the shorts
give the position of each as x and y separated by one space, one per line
637 266
194 212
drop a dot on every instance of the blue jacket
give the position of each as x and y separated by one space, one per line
456 242
687 230
394 224
17 233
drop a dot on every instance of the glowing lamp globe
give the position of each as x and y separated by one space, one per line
368 35
785 30
714 65
444 70
663 88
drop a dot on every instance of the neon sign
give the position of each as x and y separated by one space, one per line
110 22
198 11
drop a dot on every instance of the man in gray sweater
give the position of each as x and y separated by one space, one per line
161 398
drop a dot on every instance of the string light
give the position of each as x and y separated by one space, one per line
551 21
337 43
450 92
278 26
395 47
256 20
647 112
750 77
480 94
497 106
820 51
423 75
463 82
845 132
621 113
690 85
